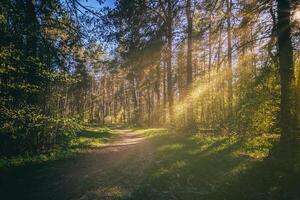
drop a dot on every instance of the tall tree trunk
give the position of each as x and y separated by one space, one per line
31 45
157 92
229 54
157 84
31 29
286 71
219 48
189 67
135 100
164 91
149 106
92 102
103 100
169 58
298 97
209 48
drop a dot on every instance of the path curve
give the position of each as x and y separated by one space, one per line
105 173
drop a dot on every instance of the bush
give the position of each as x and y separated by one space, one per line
28 130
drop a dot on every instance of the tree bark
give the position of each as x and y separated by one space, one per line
164 92
229 54
286 71
169 59
31 46
189 67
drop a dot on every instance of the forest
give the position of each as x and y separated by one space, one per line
149 99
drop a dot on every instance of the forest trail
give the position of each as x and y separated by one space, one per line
112 171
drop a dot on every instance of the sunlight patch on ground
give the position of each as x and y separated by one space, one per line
152 132
238 169
172 168
170 147
105 193
200 149
257 147
179 164
92 137
213 143
91 143
252 147
160 172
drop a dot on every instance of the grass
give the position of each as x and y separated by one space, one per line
89 138
92 138
152 132
211 167
171 166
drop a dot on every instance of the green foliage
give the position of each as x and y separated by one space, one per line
41 58
257 108
76 139
28 130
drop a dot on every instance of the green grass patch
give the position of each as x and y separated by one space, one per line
92 137
207 167
89 138
153 132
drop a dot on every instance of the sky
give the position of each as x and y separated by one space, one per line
95 3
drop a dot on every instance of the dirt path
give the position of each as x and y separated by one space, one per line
107 173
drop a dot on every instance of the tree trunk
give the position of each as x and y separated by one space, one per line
169 59
164 92
157 92
286 71
31 46
189 67
229 54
